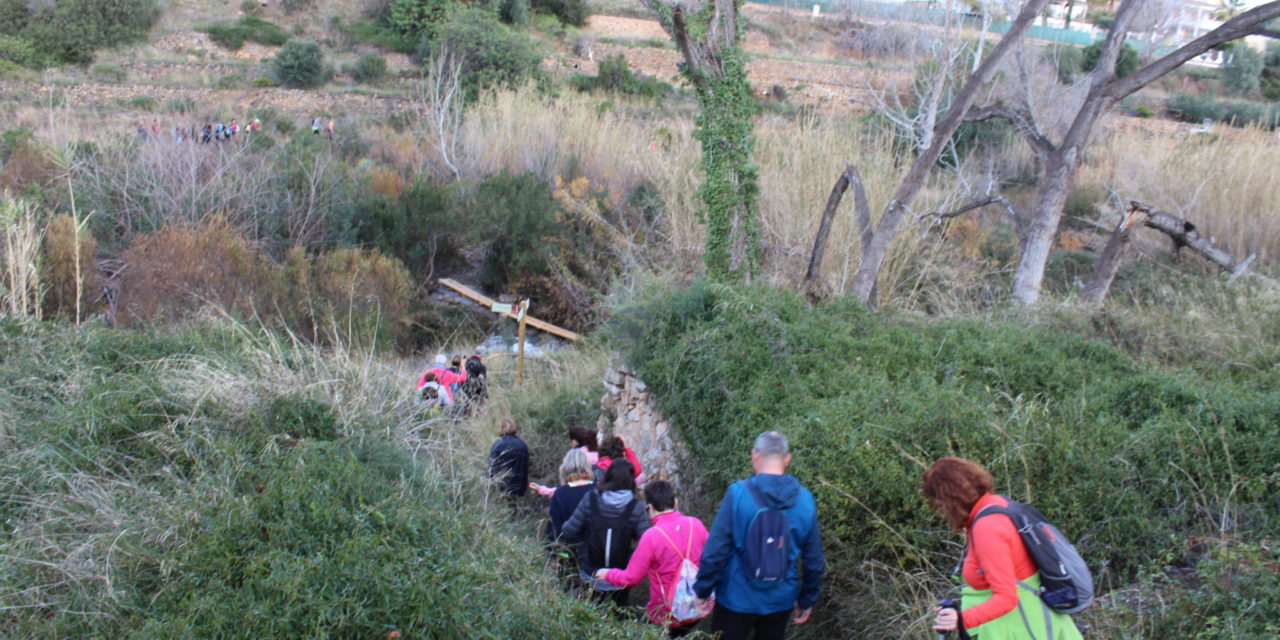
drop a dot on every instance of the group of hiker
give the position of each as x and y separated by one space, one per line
759 567
218 132
457 386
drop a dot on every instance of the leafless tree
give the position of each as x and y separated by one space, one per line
1058 160
441 97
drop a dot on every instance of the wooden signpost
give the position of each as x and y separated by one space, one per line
522 317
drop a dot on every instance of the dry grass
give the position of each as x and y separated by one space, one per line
19 258
619 149
1225 183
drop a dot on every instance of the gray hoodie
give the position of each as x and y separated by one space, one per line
612 503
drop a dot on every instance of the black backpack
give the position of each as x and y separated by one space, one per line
608 540
766 549
1065 582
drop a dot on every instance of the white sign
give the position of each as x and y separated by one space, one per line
524 307
498 307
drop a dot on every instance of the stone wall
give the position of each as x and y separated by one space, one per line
629 413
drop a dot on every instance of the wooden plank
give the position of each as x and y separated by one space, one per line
480 298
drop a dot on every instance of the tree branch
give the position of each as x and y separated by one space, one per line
976 204
1247 23
1021 120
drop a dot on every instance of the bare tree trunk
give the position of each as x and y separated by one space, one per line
864 281
1095 291
850 177
1046 213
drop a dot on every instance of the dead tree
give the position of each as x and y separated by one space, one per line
1059 160
1183 234
864 281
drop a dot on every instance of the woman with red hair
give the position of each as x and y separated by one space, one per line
995 603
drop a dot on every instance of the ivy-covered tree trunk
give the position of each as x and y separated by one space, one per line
729 191
715 65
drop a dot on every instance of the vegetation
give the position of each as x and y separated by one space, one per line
300 64
1126 64
614 74
1242 71
370 68
180 482
233 35
868 400
492 55
35 34
570 12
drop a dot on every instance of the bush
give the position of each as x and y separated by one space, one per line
1191 107
229 81
417 224
570 12
300 65
179 105
20 51
1241 72
143 103
519 222
492 54
1197 108
1073 425
1143 111
615 74
262 82
108 72
1067 59
294 6
514 12
1126 63
232 35
416 19
69 31
370 68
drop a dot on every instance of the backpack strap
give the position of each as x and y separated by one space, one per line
755 493
688 546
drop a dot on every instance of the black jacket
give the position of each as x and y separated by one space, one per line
509 463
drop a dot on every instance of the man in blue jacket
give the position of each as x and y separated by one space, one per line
742 607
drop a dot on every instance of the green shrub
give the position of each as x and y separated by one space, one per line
294 6
250 7
370 68
493 55
229 81
1073 425
383 36
1126 63
69 31
416 19
519 220
179 105
233 35
615 74
1067 59
144 103
262 82
419 226
108 72
1143 111
514 12
1192 107
1242 71
300 65
20 51
570 12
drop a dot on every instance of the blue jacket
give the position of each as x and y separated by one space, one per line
720 569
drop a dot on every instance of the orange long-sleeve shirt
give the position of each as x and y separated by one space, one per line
996 560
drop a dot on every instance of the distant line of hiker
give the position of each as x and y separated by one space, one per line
217 132
760 566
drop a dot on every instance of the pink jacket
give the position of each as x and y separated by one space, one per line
659 559
445 377
605 463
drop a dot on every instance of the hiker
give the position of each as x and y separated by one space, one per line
432 393
760 586
315 127
207 134
509 460
475 389
995 564
660 555
257 124
443 376
614 448
585 439
575 482
331 128
234 129
606 522
455 367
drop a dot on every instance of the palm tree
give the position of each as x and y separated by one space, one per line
1228 9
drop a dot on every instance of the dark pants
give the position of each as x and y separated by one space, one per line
680 632
738 626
